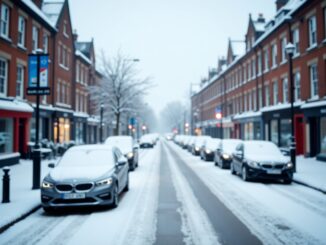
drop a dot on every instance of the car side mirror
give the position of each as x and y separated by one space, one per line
122 161
51 165
239 154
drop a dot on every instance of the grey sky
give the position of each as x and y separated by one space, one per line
176 40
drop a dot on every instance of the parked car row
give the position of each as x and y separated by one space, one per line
90 175
251 159
148 140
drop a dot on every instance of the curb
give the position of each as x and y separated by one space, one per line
309 186
7 226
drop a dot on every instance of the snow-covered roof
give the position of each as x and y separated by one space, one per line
63 110
84 57
93 120
281 106
52 9
247 114
81 114
15 105
84 47
259 26
314 104
31 5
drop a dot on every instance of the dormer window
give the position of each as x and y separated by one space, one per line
65 33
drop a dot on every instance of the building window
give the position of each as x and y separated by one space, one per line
4 27
35 38
6 135
274 55
45 43
254 100
323 135
3 77
244 74
266 63
297 86
312 25
249 71
253 66
267 96
260 97
21 31
275 92
245 103
20 81
283 45
285 90
313 81
65 33
77 71
58 91
259 64
296 39
285 130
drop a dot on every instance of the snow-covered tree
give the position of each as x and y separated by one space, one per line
120 90
173 116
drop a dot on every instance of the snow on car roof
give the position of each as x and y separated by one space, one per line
90 147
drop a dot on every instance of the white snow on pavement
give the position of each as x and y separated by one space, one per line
274 217
195 223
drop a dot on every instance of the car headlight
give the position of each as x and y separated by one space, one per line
130 155
208 151
254 164
226 156
107 181
196 148
47 185
289 165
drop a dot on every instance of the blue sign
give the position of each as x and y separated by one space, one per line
32 71
33 88
132 121
218 109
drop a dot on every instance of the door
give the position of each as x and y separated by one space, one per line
299 134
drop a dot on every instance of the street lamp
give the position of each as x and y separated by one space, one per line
101 123
290 51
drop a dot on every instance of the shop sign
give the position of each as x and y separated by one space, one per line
33 87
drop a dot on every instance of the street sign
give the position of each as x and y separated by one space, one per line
33 88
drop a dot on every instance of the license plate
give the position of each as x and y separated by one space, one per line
73 195
274 171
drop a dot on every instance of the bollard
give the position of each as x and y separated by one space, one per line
6 185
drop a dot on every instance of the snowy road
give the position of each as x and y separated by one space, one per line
175 198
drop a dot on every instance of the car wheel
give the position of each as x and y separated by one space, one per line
127 185
48 209
244 173
232 168
287 181
222 165
115 197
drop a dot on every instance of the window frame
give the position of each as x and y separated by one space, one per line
4 77
20 82
5 20
21 31
312 31
313 82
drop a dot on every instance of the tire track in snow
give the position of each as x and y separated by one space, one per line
195 223
270 229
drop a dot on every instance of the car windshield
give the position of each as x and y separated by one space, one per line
262 149
94 157
229 145
123 143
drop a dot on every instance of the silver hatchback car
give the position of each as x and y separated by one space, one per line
86 175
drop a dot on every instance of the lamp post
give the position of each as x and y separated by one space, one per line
101 123
290 51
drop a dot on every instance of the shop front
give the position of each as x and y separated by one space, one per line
277 127
248 126
14 130
93 125
80 122
62 126
45 124
315 129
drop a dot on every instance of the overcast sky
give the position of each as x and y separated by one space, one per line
175 40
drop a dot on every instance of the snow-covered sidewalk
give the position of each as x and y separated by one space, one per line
311 172
22 198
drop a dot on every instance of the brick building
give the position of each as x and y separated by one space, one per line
25 26
253 90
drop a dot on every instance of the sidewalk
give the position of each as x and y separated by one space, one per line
22 198
311 172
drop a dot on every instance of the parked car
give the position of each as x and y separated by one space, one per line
198 144
191 143
127 147
223 153
87 175
208 149
146 141
261 160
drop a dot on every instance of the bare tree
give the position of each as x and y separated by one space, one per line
173 116
120 90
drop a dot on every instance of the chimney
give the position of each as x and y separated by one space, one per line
75 35
261 18
280 4
38 3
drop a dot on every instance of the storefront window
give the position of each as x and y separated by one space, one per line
79 133
6 135
285 133
323 135
249 131
257 131
62 130
274 131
